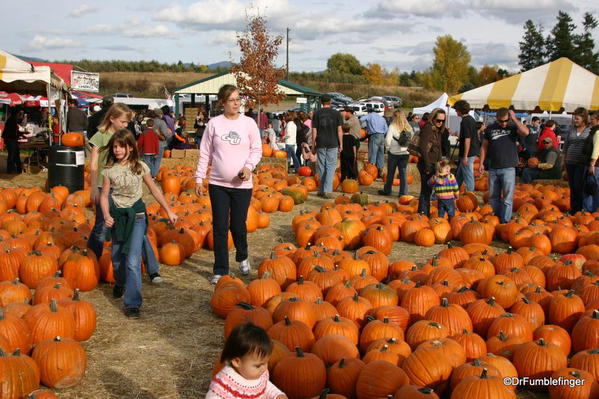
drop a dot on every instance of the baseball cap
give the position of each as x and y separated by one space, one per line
325 98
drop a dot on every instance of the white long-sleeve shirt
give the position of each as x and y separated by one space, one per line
392 144
290 133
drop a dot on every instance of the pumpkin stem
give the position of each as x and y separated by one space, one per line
299 351
57 286
1 314
426 390
245 305
356 297
287 321
370 318
342 363
392 341
57 338
444 302
542 342
484 374
385 348
502 336
596 314
336 318
53 306
463 289
569 294
435 324
324 393
491 301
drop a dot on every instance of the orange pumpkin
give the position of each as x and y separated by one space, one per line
73 139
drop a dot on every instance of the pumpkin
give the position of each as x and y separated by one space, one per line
73 139
343 375
425 330
427 367
538 359
245 313
415 392
454 317
19 375
84 315
300 374
587 360
377 329
379 379
47 321
304 171
581 384
15 331
292 334
482 386
332 348
62 362
349 186
226 297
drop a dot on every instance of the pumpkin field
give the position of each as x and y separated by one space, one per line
360 294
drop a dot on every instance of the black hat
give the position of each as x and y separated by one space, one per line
107 101
325 98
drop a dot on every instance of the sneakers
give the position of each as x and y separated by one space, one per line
244 266
383 192
132 313
117 291
156 278
215 279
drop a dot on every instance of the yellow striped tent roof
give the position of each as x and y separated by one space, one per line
551 87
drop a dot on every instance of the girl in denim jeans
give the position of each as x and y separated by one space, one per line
126 216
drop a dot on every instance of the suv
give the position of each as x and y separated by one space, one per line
377 106
341 98
395 101
359 108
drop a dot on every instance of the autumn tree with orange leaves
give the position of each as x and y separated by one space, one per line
256 73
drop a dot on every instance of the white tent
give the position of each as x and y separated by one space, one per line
18 76
453 120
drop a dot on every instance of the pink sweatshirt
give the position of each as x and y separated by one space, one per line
229 146
228 384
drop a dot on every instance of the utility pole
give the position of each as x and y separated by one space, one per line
287 62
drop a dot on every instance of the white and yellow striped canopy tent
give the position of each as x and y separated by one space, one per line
19 76
556 86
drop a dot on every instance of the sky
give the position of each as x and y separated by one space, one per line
394 33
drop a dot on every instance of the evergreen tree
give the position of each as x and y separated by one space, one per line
585 45
532 47
560 42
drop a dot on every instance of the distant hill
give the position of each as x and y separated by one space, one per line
222 64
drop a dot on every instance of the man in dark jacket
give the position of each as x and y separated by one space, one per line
76 119
549 166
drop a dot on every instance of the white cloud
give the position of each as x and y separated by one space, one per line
223 38
99 29
82 10
53 42
142 31
401 8
517 11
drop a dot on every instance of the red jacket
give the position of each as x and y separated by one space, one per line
148 142
547 133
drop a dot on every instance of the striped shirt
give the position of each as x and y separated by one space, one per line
574 147
444 187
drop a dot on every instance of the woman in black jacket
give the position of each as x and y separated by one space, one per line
430 143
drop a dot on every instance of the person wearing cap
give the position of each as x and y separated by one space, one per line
376 128
76 119
164 136
94 121
549 166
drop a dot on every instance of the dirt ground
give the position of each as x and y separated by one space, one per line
169 351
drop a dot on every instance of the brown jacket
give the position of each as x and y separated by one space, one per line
430 144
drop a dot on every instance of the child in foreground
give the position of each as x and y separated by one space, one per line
245 375
445 188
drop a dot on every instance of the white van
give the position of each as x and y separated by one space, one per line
378 107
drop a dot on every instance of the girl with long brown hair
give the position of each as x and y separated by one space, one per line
125 214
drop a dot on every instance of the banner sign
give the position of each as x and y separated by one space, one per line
85 81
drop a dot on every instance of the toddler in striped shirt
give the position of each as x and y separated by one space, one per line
445 187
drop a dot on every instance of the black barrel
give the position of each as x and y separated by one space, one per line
65 167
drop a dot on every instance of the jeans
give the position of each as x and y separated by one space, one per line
229 210
501 188
298 154
13 161
127 266
446 205
161 147
150 160
576 175
591 202
465 174
327 164
424 200
400 162
529 174
376 150
290 150
99 232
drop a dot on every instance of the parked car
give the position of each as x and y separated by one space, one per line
377 106
125 95
359 108
395 101
341 98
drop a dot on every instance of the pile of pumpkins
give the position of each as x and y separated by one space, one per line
42 269
466 324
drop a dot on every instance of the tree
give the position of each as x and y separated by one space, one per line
532 47
450 67
585 45
374 73
344 63
560 42
488 74
256 73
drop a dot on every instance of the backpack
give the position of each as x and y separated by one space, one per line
404 139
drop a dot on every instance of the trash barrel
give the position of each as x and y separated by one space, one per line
65 167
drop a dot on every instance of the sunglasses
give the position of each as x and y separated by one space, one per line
439 120
503 120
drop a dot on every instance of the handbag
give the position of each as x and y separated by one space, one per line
414 146
590 184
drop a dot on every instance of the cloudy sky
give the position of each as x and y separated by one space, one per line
394 33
